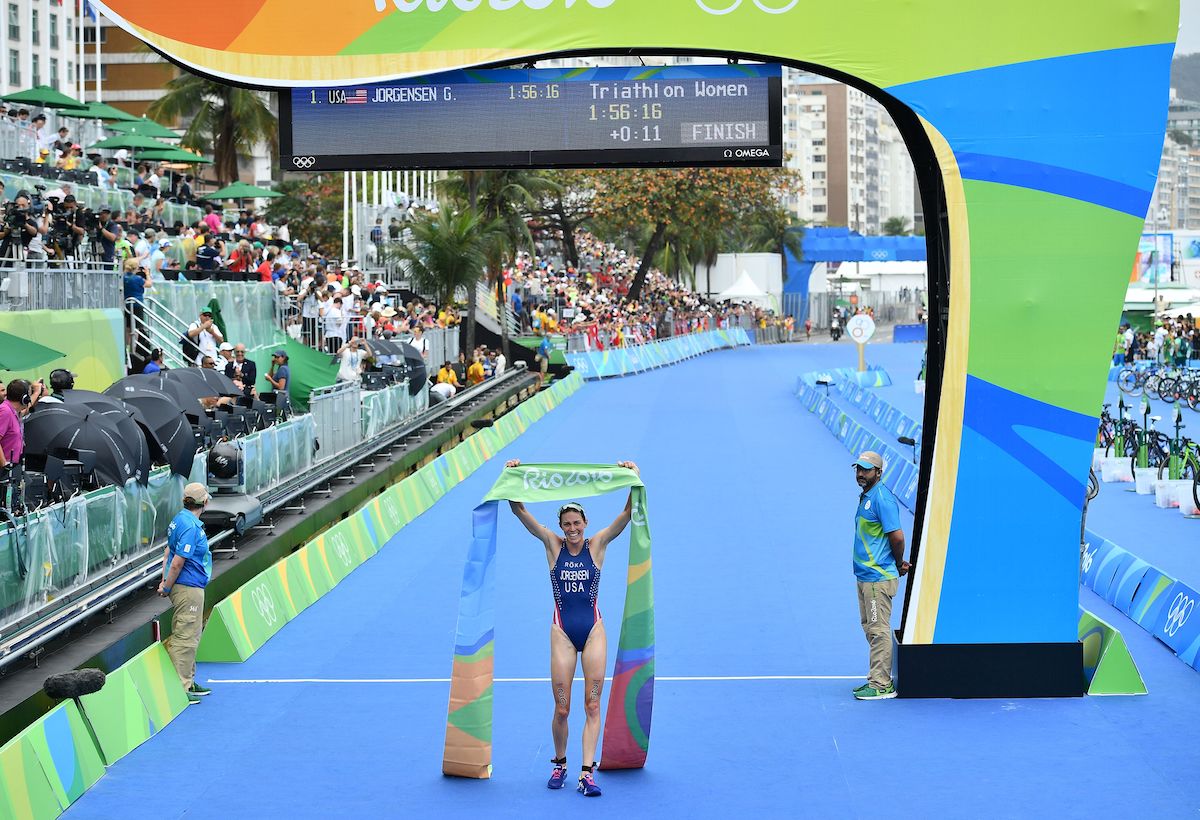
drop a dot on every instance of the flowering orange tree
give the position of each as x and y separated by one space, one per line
690 212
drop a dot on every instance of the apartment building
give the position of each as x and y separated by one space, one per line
856 167
39 45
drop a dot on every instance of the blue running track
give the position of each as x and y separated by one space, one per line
751 502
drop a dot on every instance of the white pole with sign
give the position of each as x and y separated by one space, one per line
861 328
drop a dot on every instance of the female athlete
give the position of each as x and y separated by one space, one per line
575 563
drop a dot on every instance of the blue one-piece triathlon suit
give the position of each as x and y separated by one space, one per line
575 580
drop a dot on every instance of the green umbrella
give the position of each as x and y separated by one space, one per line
241 190
171 155
46 97
127 141
144 128
102 111
21 354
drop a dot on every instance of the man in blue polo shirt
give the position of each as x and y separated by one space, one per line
187 566
878 564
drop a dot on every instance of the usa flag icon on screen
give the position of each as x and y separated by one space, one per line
359 96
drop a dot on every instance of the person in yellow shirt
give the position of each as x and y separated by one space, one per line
475 373
447 376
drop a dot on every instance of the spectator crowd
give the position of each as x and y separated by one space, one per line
592 300
1174 341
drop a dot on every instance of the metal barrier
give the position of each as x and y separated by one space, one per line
486 301
17 140
337 410
53 285
157 327
889 308
443 346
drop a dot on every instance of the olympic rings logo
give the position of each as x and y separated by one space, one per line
341 548
1178 614
761 7
304 162
264 604
389 510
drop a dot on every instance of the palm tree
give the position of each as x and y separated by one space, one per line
775 230
505 198
895 226
448 251
225 120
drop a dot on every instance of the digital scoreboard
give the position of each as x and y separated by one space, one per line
539 118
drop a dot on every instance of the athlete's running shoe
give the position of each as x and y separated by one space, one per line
558 778
871 693
860 689
199 690
192 698
587 786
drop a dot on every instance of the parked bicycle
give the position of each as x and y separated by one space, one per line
1183 459
1150 447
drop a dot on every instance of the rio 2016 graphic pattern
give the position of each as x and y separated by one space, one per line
1046 121
468 751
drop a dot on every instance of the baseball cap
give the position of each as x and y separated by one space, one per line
869 459
206 312
282 353
196 492
225 346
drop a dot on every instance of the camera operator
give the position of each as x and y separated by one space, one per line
106 234
67 228
24 225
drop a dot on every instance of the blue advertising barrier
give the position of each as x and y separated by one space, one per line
900 474
1156 602
1161 605
623 361
910 333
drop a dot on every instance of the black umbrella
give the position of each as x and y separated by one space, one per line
184 395
141 443
415 370
102 402
204 381
170 425
81 428
386 347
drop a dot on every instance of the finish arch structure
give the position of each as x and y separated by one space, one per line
1036 128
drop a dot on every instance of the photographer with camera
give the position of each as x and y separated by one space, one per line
23 228
66 228
105 235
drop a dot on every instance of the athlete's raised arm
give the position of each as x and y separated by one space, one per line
604 537
536 529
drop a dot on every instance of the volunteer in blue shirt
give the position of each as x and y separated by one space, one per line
543 359
878 564
187 566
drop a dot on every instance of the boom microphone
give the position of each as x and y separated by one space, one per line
74 684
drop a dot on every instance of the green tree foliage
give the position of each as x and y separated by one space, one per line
896 226
223 120
565 208
313 207
449 251
505 200
681 217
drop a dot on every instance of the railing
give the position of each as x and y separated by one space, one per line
157 326
53 285
17 140
486 301
337 411
889 308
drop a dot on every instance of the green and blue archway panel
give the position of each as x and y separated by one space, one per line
1043 123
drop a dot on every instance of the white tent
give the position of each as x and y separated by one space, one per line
744 290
